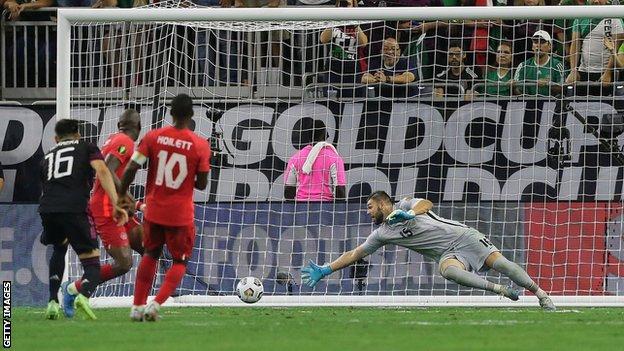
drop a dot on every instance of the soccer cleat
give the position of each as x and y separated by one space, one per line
510 293
547 304
82 303
68 301
137 313
151 312
53 311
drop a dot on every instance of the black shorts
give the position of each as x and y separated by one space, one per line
75 227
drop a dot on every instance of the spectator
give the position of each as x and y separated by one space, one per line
616 62
564 27
33 51
273 38
455 74
498 79
15 7
535 75
391 68
588 39
346 62
316 172
522 31
1 178
485 32
221 44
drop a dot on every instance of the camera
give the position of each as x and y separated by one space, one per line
215 114
558 147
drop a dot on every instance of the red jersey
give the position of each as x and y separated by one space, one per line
175 157
121 147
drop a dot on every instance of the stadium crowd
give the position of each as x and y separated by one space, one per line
394 58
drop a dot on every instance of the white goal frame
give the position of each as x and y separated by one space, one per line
67 16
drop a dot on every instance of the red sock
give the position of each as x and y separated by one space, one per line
106 273
172 280
144 279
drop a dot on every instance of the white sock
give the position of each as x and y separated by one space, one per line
71 288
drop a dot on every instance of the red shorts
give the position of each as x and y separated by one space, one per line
111 234
179 240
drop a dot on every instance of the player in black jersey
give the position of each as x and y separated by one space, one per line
67 174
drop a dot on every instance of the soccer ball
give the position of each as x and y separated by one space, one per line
249 289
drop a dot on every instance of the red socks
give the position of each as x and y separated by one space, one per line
172 280
106 273
144 279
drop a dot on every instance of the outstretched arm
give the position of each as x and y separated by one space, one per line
348 258
313 273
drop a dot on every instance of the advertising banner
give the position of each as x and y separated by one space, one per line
479 151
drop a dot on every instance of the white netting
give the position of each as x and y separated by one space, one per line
493 155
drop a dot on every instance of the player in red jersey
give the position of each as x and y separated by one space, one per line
117 151
178 161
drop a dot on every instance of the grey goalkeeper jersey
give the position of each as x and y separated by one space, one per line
428 234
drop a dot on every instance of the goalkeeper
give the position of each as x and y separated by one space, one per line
458 248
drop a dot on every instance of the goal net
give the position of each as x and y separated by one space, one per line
468 107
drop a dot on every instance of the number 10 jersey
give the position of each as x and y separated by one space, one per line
175 157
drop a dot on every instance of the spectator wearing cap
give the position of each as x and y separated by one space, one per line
316 172
588 35
536 75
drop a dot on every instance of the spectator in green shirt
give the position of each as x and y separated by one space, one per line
498 79
535 75
589 57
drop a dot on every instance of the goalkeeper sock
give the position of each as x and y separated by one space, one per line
172 280
472 280
106 273
146 272
517 275
57 266
91 277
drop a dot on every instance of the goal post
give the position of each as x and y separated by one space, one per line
540 174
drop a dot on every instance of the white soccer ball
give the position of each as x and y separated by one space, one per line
249 289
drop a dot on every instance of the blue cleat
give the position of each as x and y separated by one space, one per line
511 293
68 301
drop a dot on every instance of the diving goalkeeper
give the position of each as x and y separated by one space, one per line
458 248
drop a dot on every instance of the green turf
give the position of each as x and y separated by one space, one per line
323 329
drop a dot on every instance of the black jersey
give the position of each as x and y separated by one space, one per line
68 176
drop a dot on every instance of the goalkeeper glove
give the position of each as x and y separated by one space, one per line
312 273
399 216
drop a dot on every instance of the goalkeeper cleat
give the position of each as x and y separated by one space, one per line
68 301
547 304
137 313
510 293
53 311
82 303
151 312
